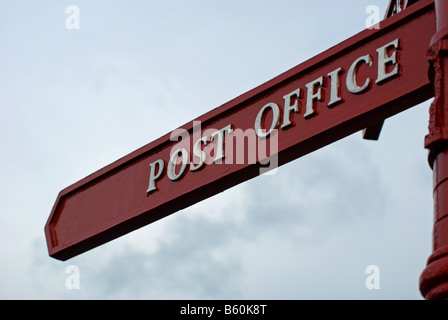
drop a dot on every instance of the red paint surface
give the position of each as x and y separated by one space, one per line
113 201
434 279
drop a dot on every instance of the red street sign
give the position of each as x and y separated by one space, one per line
354 85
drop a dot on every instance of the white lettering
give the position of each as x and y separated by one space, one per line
197 310
352 85
155 174
288 107
384 60
219 136
311 96
334 87
211 146
262 133
198 154
172 164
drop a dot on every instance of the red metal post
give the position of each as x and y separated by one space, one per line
434 279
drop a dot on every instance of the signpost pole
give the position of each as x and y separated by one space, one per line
434 279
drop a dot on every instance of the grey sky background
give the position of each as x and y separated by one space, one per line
74 101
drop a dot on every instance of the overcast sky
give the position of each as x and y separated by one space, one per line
74 101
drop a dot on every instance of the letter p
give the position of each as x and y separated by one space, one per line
155 174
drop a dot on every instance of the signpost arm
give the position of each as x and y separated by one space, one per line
434 279
150 183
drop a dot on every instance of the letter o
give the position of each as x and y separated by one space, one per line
275 120
171 170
